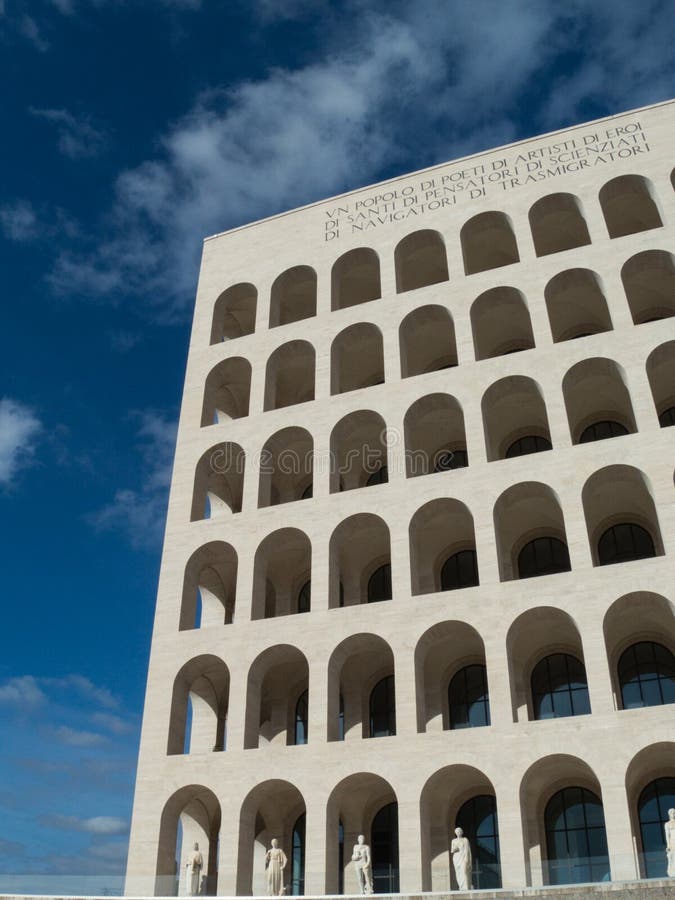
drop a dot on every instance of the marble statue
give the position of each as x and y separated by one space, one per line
670 842
194 866
275 863
460 850
363 865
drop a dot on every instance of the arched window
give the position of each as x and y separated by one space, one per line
383 708
379 584
305 597
478 820
559 687
451 459
298 858
380 476
384 848
459 571
576 841
301 708
599 431
543 556
623 543
532 443
667 417
468 698
646 675
653 805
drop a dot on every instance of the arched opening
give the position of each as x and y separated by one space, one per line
209 587
191 816
277 679
557 223
289 376
525 513
357 358
661 374
459 796
488 242
420 260
635 619
234 313
361 699
576 305
427 341
597 401
219 482
199 702
286 467
227 391
513 408
434 436
355 278
500 322
293 296
559 687
449 651
649 282
562 848
650 788
273 809
442 547
359 552
362 804
358 446
281 573
301 719
620 516
628 205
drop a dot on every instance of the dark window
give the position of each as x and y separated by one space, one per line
646 675
532 443
379 477
341 600
543 556
341 857
298 858
459 571
384 848
478 820
623 543
468 698
667 417
559 687
341 719
451 459
308 491
301 719
383 708
305 597
576 842
653 805
599 431
379 584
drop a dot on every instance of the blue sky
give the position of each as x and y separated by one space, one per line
129 130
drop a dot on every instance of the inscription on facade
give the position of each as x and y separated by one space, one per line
455 185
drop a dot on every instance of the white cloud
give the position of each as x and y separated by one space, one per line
29 28
98 825
19 432
18 221
23 691
75 737
84 686
77 137
112 723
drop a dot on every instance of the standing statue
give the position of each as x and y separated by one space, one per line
363 865
669 828
194 866
460 849
275 863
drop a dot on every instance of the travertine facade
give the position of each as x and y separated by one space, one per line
389 319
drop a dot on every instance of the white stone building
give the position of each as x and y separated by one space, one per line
426 393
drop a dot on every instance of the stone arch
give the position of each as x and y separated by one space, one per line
435 439
286 467
355 278
557 223
234 313
359 546
281 569
438 530
209 587
356 665
576 305
629 205
653 762
427 341
513 408
227 391
488 242
420 260
289 376
500 322
649 282
219 482
293 296
358 450
199 704
595 390
197 810
276 679
661 375
357 358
